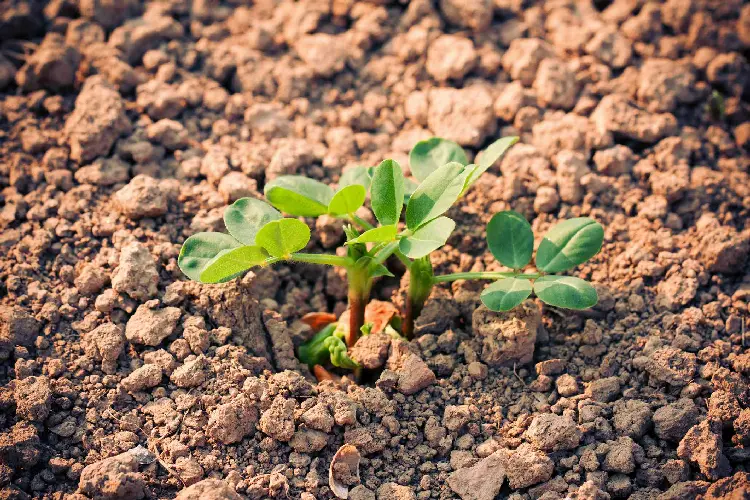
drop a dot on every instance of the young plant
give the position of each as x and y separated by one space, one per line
410 225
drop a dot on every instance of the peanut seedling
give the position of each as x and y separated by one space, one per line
410 225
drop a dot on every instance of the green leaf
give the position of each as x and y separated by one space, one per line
568 244
347 200
246 216
510 239
356 175
435 195
410 185
230 263
565 291
300 196
505 294
200 249
282 237
387 192
315 350
429 155
427 238
488 157
376 235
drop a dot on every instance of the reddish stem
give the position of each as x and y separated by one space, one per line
356 319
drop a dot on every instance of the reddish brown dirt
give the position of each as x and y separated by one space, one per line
127 127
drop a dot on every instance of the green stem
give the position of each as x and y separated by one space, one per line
325 259
386 252
420 286
487 275
359 220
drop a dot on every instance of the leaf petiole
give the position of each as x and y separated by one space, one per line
447 278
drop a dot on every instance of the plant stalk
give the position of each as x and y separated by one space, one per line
421 281
360 284
325 259
447 278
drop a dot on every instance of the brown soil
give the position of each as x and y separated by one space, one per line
127 127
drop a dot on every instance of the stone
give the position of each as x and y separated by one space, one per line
523 57
481 481
33 398
104 172
472 14
150 326
209 489
278 420
614 161
555 84
136 273
192 373
52 66
97 121
17 328
610 47
672 366
621 456
236 185
450 57
603 390
703 445
137 36
414 375
456 416
632 417
550 432
566 385
371 351
615 113
324 54
393 491
105 343
230 422
672 421
663 84
169 133
308 440
723 249
570 169
141 197
290 157
461 115
508 338
145 377
526 466
114 478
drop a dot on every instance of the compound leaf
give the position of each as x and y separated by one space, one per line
380 234
435 195
347 200
565 291
246 216
488 157
300 196
505 294
427 238
282 237
568 244
387 192
510 239
230 263
356 175
429 155
200 249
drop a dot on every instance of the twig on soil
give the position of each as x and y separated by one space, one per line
517 376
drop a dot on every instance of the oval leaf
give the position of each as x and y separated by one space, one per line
347 200
427 238
282 237
429 155
510 239
376 235
488 157
387 192
565 291
568 244
410 185
246 216
200 249
437 193
297 195
505 294
230 263
355 175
